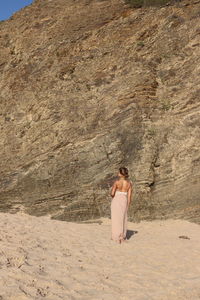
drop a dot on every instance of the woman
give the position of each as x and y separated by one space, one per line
121 192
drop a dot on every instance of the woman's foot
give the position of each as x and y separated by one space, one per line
125 240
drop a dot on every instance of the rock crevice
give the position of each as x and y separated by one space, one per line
88 86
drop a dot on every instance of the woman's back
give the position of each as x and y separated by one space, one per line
121 198
123 185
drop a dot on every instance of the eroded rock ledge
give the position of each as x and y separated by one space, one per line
88 86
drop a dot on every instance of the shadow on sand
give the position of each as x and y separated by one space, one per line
129 233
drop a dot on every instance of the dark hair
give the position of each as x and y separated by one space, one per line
124 171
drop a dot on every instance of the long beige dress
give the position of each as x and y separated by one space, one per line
119 207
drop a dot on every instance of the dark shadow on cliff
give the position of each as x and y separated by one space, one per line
129 233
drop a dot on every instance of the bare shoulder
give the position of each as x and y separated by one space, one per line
116 182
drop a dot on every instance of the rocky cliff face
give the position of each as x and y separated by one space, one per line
88 86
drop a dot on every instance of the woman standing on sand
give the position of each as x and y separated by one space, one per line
121 193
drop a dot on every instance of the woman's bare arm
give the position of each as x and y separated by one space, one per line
114 187
130 194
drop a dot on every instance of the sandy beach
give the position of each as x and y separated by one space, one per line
42 258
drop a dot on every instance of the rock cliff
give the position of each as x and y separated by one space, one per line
91 85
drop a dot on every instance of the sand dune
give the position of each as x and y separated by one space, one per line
42 258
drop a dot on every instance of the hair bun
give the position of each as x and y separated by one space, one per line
124 171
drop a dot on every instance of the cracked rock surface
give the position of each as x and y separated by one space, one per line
88 86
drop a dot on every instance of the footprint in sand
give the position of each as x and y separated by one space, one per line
15 261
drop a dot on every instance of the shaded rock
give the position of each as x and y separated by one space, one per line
88 86
184 237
